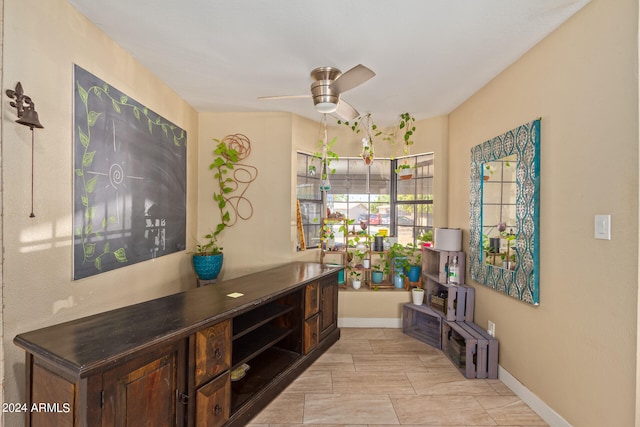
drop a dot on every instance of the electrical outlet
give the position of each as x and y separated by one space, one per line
491 328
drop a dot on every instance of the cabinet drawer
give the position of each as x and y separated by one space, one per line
213 351
311 299
213 402
311 333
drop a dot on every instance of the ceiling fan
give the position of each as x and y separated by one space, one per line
328 85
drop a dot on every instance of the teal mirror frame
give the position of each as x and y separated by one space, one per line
523 282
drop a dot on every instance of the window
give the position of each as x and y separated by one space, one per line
374 197
310 198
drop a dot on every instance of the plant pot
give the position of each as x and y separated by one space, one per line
398 281
405 173
377 276
366 263
207 267
356 284
414 273
418 296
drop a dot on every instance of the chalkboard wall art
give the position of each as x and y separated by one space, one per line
129 180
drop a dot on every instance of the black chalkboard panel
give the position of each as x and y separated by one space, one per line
129 180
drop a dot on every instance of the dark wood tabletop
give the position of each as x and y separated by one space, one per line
86 345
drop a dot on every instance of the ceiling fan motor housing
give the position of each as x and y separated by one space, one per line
321 89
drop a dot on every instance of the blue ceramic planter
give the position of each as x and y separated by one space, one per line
376 276
398 281
207 267
414 273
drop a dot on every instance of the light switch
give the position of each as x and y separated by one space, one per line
603 227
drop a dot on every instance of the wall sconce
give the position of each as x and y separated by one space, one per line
27 115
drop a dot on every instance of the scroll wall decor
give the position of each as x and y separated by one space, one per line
236 205
129 180
504 213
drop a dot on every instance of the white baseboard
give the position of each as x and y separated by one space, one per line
371 322
543 410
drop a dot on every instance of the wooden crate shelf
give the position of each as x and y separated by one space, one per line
422 323
473 351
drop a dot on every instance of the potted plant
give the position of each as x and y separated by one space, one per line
417 294
412 265
426 238
207 260
398 257
405 171
208 257
356 281
380 269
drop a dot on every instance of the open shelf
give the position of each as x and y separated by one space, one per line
257 317
263 369
255 342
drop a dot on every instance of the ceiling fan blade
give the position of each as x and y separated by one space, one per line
285 96
345 111
352 78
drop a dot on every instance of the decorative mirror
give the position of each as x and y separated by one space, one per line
505 194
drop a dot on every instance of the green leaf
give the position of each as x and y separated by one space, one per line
78 231
104 223
150 124
87 158
116 107
83 94
89 212
79 172
92 118
120 255
87 229
84 139
123 99
98 264
85 201
136 113
106 248
89 250
90 185
96 92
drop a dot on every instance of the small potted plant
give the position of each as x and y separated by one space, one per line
398 256
412 264
356 278
207 261
426 238
417 294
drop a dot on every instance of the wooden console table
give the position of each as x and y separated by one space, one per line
174 361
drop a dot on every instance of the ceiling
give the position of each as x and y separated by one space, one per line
429 56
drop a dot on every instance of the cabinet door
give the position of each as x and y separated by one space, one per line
311 333
329 306
213 402
213 351
146 388
311 299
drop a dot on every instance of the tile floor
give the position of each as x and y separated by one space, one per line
381 377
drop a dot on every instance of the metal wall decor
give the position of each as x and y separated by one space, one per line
27 116
518 278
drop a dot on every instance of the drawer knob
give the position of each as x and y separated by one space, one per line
217 410
217 354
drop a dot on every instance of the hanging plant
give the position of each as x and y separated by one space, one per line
325 155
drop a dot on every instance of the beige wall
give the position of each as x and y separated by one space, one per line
42 41
577 350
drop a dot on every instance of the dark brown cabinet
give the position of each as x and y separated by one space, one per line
145 388
174 361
